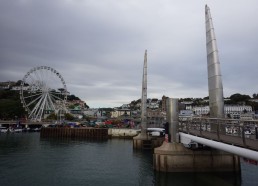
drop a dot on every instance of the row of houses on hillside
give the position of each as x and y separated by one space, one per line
231 111
156 111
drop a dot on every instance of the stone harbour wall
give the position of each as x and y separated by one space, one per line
122 133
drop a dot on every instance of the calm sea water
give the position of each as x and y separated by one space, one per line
28 160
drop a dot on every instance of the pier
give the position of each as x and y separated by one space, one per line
82 133
174 156
189 151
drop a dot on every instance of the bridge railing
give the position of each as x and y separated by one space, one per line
242 133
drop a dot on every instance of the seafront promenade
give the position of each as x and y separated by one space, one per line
51 130
23 123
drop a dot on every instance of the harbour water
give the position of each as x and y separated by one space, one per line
28 160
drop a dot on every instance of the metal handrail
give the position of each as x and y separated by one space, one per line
218 128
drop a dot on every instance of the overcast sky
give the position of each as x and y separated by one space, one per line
98 46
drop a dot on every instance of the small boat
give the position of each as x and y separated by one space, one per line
26 129
15 130
36 129
248 132
154 131
3 129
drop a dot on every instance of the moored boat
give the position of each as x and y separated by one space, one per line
3 129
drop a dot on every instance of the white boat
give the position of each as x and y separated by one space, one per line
26 129
36 129
15 130
154 131
3 129
228 130
248 132
18 130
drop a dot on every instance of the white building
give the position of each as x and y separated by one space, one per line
188 104
153 103
125 106
18 88
247 116
185 115
204 110
155 117
237 108
91 112
121 112
233 110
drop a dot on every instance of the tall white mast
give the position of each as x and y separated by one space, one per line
216 99
144 97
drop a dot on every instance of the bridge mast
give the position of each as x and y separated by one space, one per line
173 156
144 98
216 100
139 140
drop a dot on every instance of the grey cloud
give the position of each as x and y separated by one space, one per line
98 46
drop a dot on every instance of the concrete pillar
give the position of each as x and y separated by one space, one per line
172 118
175 157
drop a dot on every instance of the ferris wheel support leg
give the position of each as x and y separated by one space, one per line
36 109
41 110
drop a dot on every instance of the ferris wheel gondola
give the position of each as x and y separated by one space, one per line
43 91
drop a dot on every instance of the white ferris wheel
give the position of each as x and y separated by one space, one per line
43 91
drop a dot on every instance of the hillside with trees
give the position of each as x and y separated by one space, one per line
10 103
11 107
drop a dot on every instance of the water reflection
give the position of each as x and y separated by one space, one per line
145 169
16 143
189 179
27 159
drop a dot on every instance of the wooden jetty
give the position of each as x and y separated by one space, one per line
82 133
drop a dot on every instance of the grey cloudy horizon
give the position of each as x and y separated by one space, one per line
98 46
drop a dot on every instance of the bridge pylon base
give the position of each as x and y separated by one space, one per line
174 157
145 142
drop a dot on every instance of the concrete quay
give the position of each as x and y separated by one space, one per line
89 132
122 133
174 157
148 143
82 133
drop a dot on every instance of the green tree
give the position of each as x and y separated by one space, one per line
10 105
185 99
52 116
237 98
72 97
86 106
69 117
18 83
255 96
